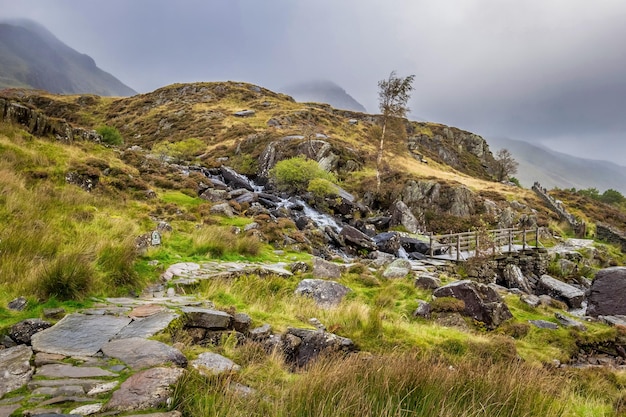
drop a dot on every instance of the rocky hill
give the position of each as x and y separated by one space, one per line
32 57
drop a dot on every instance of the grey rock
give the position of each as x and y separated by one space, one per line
209 363
148 326
207 318
88 409
570 295
569 322
542 324
606 295
354 237
86 383
78 334
514 278
399 268
482 303
242 322
223 209
261 333
614 320
427 282
54 313
325 270
455 320
401 215
234 179
299 267
144 390
7 410
214 196
422 310
22 332
324 293
140 353
66 390
388 242
18 304
15 369
244 113
69 371
530 299
103 388
301 346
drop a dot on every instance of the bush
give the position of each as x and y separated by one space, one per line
68 278
110 135
117 263
294 174
179 151
322 188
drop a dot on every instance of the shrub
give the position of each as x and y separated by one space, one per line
110 135
69 277
294 174
322 188
179 151
117 263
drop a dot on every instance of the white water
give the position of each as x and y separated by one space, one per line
402 253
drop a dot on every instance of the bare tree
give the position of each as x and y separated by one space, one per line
505 165
393 95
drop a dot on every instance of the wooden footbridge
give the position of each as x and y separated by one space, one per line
466 245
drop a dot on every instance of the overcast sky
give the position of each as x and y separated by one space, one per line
549 71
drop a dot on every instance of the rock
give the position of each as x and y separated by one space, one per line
299 267
148 326
324 293
388 242
455 320
569 322
570 295
65 390
244 113
399 268
235 180
482 302
7 410
401 215
325 270
241 323
542 324
614 320
301 346
147 389
422 310
140 353
54 313
260 333
514 278
354 237
18 304
207 318
15 369
85 181
223 209
606 295
62 370
530 299
103 388
214 196
209 363
413 245
427 282
86 410
22 332
165 414
78 334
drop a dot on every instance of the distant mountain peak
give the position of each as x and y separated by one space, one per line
32 57
324 91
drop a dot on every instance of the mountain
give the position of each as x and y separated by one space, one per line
32 57
557 169
324 91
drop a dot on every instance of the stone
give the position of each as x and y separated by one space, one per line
399 268
514 278
66 390
62 370
144 390
422 310
614 320
260 333
15 369
103 388
22 332
209 363
7 410
299 267
54 313
413 245
530 299
325 293
244 113
325 270
569 322
482 303
606 295
148 326
146 310
207 318
570 295
354 237
401 215
427 282
86 383
140 353
301 346
155 238
223 209
18 304
542 324
242 322
43 358
87 410
215 196
388 242
78 334
234 179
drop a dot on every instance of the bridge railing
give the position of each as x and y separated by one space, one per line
484 243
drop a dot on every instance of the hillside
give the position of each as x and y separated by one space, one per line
187 288
556 169
323 91
32 57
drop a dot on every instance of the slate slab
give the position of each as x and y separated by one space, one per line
560 290
15 369
7 410
68 371
207 318
148 326
145 390
209 363
141 353
78 334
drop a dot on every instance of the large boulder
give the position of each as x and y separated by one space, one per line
514 278
234 179
401 215
606 295
301 346
325 270
22 332
399 268
561 291
482 302
354 237
388 242
324 293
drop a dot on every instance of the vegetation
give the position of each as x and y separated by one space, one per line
181 151
505 165
295 174
110 135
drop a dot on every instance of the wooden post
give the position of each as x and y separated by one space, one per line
477 244
431 244
537 237
524 239
458 247
510 240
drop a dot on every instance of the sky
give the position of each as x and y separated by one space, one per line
543 71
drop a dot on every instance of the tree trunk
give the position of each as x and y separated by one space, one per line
379 158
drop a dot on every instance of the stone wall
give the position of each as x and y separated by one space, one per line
611 235
530 262
555 205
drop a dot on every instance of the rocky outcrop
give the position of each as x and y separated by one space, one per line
457 200
401 216
561 291
607 292
324 293
610 234
301 346
482 303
